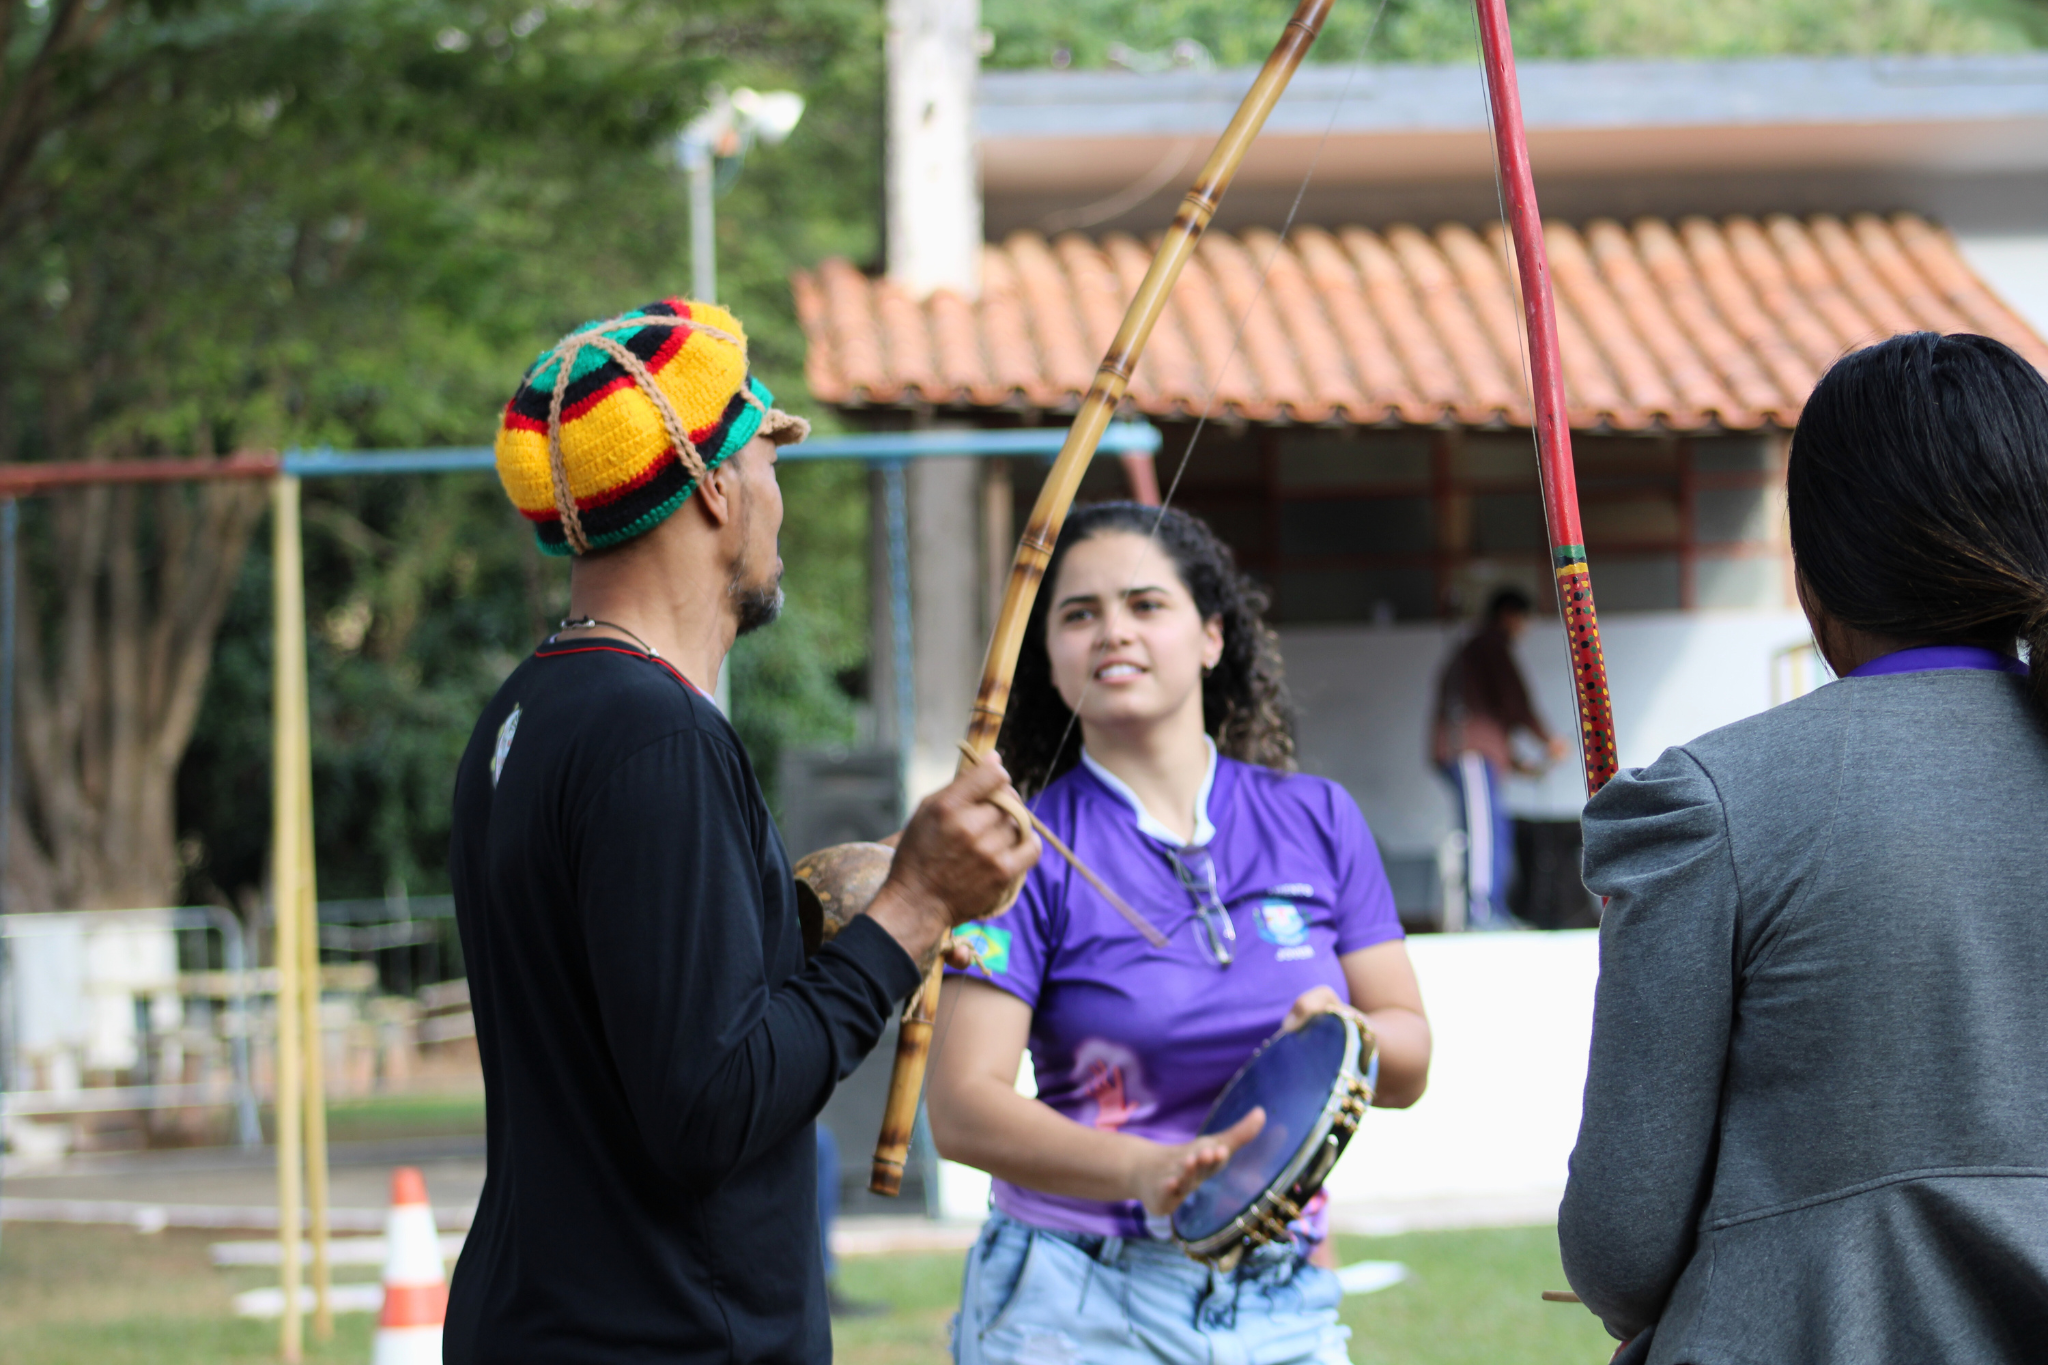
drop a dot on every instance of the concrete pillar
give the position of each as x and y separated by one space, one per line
934 178
881 617
947 639
933 234
998 538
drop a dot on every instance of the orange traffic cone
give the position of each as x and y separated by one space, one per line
415 1286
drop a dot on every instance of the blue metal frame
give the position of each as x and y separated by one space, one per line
888 452
1121 438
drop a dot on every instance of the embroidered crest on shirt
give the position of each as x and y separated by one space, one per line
504 744
1281 924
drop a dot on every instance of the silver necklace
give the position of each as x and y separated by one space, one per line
591 623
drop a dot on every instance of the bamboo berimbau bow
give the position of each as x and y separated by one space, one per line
913 1042
1546 381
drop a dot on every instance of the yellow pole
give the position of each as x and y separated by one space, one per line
309 994
288 662
308 905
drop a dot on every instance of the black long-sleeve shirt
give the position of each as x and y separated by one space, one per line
654 1046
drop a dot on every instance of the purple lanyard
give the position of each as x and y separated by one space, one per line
1932 658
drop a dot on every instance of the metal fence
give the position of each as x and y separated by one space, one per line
158 1020
128 1011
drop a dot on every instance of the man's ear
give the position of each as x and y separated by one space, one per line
717 495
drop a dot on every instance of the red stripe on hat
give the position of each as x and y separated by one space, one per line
640 480
517 421
610 495
670 347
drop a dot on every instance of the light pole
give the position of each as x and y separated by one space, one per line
724 132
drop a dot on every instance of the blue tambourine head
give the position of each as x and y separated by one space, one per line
1292 1077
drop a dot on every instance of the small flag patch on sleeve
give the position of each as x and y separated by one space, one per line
991 945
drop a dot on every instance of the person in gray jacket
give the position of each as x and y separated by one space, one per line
1816 1115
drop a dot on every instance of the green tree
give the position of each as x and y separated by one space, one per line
242 224
424 593
1028 33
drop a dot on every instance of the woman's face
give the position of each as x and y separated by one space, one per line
1126 641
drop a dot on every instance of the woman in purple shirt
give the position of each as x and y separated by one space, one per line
1149 719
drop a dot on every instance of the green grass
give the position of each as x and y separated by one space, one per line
1472 1298
108 1296
458 1113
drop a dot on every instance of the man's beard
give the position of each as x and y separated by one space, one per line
757 606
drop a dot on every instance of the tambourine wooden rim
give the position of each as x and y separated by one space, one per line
1266 1219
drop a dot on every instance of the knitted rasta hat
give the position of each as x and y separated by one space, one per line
653 401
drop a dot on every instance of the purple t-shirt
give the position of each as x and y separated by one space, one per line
1141 1040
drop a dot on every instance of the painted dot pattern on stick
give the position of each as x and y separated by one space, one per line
1589 666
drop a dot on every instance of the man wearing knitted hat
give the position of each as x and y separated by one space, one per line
655 1047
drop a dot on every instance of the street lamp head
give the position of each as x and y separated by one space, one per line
769 115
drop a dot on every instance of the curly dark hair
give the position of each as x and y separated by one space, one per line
1245 707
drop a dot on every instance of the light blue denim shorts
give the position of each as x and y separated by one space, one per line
1059 1298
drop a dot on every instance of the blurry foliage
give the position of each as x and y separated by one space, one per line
784 688
247 223
422 595
1038 33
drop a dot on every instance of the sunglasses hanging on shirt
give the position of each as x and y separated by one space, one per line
1197 872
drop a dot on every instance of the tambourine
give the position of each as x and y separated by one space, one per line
1314 1085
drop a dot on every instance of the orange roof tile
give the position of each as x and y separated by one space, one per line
1699 325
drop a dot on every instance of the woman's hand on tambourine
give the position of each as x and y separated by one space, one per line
1322 1000
1164 1176
955 860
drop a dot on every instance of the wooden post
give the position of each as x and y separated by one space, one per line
288 660
309 993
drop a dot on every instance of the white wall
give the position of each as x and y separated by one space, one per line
1366 692
2015 265
1512 1016
77 976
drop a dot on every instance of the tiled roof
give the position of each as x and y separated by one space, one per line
1691 325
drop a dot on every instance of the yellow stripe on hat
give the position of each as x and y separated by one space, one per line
616 440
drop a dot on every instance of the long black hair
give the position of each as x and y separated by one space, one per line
1244 700
1918 492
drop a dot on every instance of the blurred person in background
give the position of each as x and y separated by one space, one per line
1816 1114
1482 701
655 1046
1149 718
